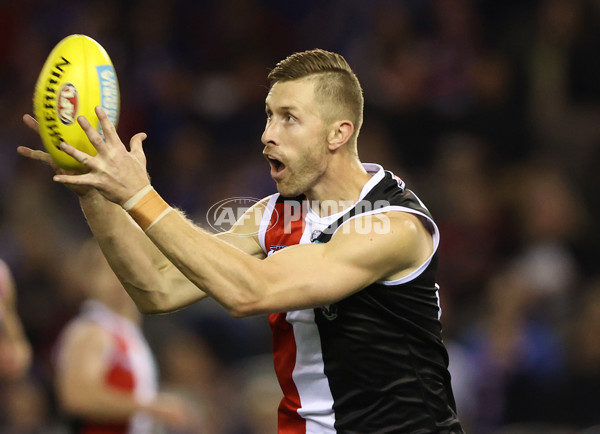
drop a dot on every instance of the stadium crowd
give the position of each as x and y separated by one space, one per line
490 110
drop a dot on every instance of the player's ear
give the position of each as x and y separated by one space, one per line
339 133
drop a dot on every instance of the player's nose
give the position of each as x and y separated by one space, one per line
269 134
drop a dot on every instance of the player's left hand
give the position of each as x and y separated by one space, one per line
115 172
44 157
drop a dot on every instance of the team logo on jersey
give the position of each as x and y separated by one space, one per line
329 311
401 183
274 248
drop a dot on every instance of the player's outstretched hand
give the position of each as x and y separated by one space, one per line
115 172
35 154
44 157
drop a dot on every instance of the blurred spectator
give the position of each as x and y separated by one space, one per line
577 394
471 218
501 348
549 218
565 123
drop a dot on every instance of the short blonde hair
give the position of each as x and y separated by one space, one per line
337 86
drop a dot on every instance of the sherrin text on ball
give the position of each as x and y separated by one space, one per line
77 76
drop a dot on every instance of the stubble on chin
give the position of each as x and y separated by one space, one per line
286 190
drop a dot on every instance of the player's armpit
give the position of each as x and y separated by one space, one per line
244 233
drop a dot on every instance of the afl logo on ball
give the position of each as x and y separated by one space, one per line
68 100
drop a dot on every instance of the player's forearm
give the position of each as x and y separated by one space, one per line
96 402
230 276
151 280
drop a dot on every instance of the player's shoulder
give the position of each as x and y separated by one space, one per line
393 242
385 232
265 201
250 219
383 223
82 331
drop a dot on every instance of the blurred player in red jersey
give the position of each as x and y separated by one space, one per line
106 378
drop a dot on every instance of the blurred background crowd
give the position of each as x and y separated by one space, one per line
489 110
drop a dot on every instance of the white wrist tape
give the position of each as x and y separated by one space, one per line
136 198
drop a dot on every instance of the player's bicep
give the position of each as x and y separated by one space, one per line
312 275
375 247
356 256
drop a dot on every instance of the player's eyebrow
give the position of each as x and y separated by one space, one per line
285 108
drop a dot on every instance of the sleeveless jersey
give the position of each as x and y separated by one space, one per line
130 367
373 362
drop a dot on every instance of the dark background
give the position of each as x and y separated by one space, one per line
489 110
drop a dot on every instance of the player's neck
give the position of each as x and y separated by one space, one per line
342 183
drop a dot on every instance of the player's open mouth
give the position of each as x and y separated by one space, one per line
276 166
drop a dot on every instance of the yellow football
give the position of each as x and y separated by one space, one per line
77 76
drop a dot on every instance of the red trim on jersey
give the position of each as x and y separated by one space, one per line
284 359
106 429
286 225
285 231
119 376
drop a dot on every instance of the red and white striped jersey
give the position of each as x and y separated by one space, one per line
130 367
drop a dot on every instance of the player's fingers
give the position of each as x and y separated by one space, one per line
64 178
94 136
136 147
31 123
82 157
108 128
36 154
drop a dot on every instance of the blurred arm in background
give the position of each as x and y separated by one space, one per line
15 350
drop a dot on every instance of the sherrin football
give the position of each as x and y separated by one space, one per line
77 76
